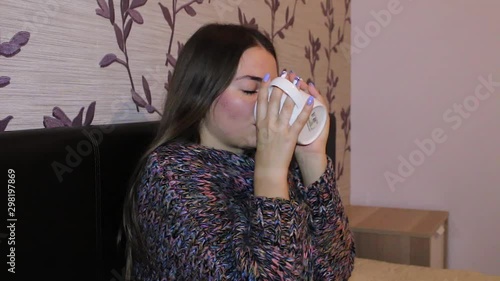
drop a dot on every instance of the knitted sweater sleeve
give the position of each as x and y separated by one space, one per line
332 241
193 234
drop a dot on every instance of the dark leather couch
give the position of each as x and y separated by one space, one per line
69 188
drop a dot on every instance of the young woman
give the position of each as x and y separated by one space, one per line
222 196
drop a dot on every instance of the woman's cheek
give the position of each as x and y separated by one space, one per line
234 109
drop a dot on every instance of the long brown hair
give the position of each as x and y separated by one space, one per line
204 69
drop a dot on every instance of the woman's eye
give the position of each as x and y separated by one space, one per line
249 92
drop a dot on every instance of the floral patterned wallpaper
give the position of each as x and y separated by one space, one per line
109 61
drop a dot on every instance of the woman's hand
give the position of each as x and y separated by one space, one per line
276 141
312 157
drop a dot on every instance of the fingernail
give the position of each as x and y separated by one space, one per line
312 84
296 80
310 100
266 78
283 73
291 71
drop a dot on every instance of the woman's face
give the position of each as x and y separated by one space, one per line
230 124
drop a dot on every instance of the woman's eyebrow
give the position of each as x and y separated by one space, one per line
255 78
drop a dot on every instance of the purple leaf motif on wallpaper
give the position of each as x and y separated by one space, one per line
180 46
77 121
49 122
60 119
190 11
103 9
119 37
111 12
328 11
137 3
346 120
167 16
274 6
170 16
11 48
21 38
332 80
89 116
129 15
147 91
4 122
140 102
8 50
4 81
346 126
312 53
171 60
243 20
61 116
136 16
109 59
128 28
124 6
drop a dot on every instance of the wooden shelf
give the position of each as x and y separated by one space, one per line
406 236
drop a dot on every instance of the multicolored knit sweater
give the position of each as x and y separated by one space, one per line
201 221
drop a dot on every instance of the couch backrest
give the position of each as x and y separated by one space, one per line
69 188
69 185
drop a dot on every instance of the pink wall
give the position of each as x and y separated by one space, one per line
416 76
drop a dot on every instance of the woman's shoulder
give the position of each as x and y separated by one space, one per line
176 151
196 160
175 155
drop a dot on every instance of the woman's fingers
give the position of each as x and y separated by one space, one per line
313 91
302 118
309 88
269 105
286 111
262 98
273 108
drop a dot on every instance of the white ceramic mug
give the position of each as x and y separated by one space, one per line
317 119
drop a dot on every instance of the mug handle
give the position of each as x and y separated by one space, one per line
291 90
